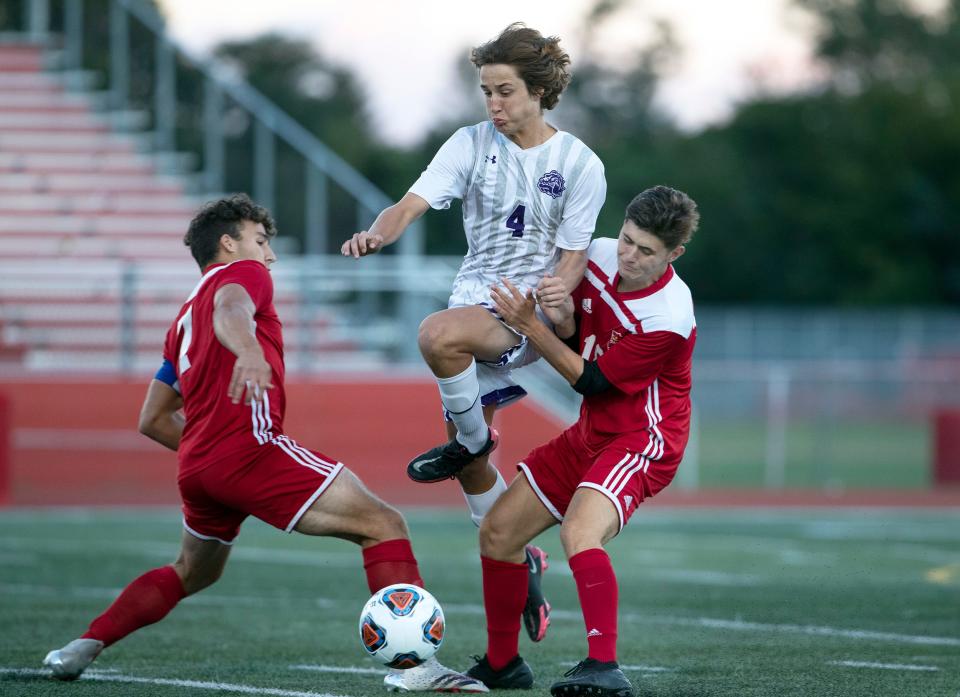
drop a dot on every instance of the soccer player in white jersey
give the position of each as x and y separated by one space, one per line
630 330
531 195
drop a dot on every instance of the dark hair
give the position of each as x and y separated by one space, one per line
223 217
539 60
666 213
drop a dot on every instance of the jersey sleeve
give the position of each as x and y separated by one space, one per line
447 175
635 361
581 210
253 276
167 375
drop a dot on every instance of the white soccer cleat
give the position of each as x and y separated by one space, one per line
431 676
70 661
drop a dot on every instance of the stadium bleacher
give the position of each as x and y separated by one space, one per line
93 265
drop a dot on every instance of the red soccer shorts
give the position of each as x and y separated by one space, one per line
557 469
277 486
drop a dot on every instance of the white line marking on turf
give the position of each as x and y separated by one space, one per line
151 549
712 623
339 669
881 666
640 668
108 593
695 576
795 629
195 684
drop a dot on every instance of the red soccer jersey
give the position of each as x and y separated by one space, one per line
643 343
216 428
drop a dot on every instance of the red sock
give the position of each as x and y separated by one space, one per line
597 588
145 600
504 595
390 562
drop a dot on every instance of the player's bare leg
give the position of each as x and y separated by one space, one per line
451 341
590 522
144 601
348 510
516 518
482 485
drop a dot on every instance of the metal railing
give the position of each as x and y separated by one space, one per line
221 89
774 422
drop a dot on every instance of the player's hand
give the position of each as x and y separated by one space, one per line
551 291
516 309
362 244
554 299
252 376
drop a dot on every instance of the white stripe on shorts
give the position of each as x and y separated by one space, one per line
611 480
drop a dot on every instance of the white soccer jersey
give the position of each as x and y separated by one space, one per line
520 207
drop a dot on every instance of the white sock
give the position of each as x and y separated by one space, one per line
460 395
480 504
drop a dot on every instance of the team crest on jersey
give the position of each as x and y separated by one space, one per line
587 305
615 336
552 184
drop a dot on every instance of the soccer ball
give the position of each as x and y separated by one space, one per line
401 626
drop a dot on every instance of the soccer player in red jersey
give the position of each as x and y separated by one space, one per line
630 332
223 365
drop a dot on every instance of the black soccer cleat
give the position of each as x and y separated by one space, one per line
516 675
445 461
536 613
595 678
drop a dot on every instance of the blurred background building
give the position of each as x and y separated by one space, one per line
826 271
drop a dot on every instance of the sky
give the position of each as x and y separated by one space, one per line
405 54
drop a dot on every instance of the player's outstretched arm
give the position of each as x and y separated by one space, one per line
233 312
387 228
572 264
160 417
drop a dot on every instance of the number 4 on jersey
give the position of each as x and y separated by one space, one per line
515 221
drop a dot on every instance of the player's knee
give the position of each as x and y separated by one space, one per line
575 539
195 578
390 524
429 336
497 538
436 337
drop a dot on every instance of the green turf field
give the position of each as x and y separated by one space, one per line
846 455
818 602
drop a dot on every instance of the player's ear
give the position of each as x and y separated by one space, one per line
676 253
227 243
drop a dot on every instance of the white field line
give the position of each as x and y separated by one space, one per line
339 669
152 549
881 666
812 630
699 577
875 531
106 593
195 684
18 559
639 668
556 613
740 625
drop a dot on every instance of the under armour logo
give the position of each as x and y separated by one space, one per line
491 158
